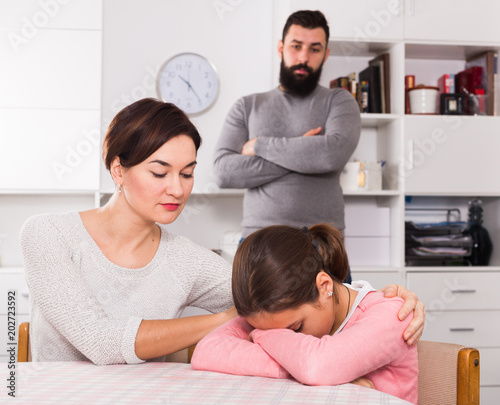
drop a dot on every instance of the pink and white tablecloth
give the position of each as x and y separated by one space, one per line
168 383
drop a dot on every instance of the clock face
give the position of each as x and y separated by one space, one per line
189 81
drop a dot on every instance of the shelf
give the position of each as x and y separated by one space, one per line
377 120
372 193
11 269
452 194
450 269
356 48
374 269
47 192
448 51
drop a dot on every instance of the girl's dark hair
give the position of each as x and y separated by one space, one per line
307 19
275 268
141 128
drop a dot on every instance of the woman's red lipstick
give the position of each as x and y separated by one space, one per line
170 206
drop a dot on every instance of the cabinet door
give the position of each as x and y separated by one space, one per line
449 155
441 291
366 20
49 149
452 20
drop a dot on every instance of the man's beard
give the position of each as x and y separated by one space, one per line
299 85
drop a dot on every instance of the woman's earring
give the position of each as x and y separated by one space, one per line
119 188
330 293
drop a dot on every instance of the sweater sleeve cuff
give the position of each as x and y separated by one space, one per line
128 341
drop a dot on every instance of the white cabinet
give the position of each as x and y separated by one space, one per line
367 20
460 21
461 152
48 149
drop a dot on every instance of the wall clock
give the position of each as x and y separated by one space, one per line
189 81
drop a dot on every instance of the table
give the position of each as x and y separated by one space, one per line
169 383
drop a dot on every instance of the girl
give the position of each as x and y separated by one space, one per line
286 287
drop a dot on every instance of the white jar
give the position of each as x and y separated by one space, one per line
424 100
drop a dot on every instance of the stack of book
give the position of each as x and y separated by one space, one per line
476 83
372 88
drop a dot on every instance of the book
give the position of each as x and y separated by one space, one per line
371 75
409 84
342 82
362 96
487 62
469 82
383 62
446 83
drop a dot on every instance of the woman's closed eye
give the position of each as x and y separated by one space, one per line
162 175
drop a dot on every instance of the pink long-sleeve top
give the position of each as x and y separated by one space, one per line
370 345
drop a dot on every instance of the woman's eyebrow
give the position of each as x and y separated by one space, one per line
166 164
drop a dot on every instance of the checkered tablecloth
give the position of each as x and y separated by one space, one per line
169 383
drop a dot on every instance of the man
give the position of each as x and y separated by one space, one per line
288 146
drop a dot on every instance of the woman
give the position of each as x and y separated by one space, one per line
109 284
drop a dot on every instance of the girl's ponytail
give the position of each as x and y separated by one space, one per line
331 249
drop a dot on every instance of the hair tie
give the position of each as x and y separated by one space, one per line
315 243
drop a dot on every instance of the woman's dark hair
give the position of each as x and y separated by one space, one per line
275 268
307 19
141 128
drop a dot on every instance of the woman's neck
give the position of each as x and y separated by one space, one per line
123 237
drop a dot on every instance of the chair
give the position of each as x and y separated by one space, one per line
23 343
448 374
24 348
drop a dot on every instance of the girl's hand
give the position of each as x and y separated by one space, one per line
364 382
414 331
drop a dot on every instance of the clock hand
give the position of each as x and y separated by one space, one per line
185 81
190 87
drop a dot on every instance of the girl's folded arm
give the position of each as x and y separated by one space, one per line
228 350
364 347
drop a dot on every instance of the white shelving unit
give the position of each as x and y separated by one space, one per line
437 161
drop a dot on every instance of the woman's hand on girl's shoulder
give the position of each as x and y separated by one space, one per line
414 331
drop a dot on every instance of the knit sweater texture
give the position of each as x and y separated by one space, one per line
84 307
292 179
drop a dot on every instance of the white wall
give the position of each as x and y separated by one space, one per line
139 36
50 106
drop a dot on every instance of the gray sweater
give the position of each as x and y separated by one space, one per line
292 180
83 307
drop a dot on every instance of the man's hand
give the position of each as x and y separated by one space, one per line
248 147
416 327
313 132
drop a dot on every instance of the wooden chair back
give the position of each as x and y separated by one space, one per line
448 374
23 343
